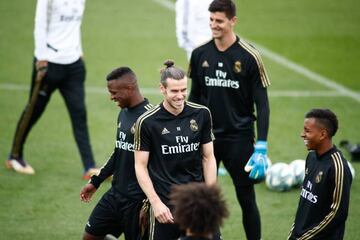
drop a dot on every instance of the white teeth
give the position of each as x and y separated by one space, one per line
306 142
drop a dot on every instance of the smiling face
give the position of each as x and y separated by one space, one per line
313 134
220 25
175 94
120 92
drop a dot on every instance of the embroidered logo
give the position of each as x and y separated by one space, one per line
132 130
193 125
319 177
237 67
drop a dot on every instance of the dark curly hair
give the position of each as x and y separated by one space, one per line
326 118
198 207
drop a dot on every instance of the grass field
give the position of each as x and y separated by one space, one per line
305 45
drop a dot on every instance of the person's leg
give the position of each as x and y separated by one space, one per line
73 92
250 211
40 93
105 219
235 156
131 220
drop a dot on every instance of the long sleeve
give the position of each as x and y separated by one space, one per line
195 92
260 83
106 171
262 113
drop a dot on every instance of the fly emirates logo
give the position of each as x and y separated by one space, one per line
221 81
122 144
183 146
307 194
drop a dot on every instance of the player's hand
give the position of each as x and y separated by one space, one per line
258 164
87 192
162 212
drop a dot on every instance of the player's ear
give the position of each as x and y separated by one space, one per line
233 21
162 88
323 134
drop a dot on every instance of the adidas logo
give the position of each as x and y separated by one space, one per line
205 64
165 131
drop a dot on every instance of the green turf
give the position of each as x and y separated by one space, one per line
322 36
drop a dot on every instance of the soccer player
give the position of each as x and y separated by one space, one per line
192 23
325 192
199 209
58 64
228 76
118 209
173 145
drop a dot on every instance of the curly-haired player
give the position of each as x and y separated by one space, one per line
199 209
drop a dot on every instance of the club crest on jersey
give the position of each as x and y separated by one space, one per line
205 64
319 177
165 131
132 130
119 125
237 67
306 171
193 125
220 64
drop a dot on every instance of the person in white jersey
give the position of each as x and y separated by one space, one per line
58 64
192 24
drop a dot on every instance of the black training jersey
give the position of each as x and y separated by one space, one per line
324 197
121 163
229 83
174 143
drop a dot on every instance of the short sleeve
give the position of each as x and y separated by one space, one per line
142 136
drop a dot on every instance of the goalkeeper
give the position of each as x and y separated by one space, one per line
228 76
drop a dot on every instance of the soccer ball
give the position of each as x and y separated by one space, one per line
298 168
279 177
352 170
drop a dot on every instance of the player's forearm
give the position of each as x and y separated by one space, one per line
145 182
263 114
209 163
108 168
209 167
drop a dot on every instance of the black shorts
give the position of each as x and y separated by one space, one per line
234 155
115 214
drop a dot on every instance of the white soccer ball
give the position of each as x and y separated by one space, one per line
352 170
298 168
279 177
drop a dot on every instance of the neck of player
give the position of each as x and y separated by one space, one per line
225 42
172 108
136 99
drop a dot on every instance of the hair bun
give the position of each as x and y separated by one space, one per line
169 63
